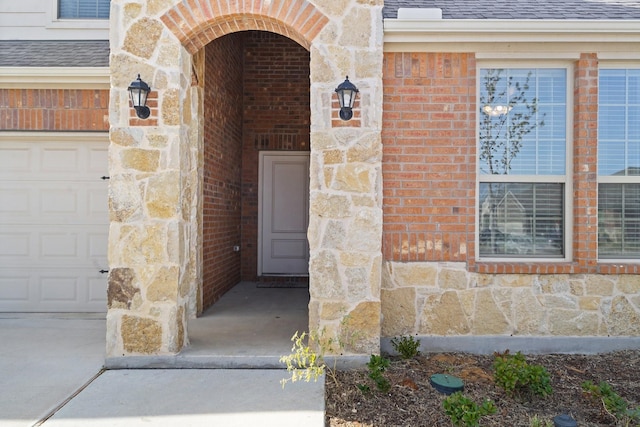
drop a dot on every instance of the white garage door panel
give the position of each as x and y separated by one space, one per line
53 224
14 287
79 290
14 244
81 246
66 161
15 158
15 202
54 202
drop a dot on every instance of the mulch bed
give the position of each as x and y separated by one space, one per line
412 401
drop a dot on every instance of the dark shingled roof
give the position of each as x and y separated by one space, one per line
522 9
50 53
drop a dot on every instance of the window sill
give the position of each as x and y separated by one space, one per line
619 267
82 24
525 267
549 267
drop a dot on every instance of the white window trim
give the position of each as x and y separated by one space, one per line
567 178
616 65
54 22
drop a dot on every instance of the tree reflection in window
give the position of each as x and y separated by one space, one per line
521 214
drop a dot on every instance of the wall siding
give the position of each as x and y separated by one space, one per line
35 20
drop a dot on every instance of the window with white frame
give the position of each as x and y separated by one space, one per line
83 9
619 163
522 162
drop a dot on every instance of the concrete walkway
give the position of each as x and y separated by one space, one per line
191 397
51 371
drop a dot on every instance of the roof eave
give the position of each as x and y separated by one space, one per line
507 30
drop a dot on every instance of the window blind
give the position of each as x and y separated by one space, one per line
619 123
83 9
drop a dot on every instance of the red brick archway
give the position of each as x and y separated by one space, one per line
197 22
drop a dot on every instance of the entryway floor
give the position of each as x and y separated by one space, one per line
249 327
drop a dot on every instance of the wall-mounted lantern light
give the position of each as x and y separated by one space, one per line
139 90
347 92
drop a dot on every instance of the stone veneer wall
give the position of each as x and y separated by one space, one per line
432 284
155 195
345 230
444 299
223 95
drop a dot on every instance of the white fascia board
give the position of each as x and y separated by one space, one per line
55 78
510 31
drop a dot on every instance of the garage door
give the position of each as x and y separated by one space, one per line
53 223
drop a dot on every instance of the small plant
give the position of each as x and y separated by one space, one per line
464 411
516 376
304 363
406 346
538 422
365 389
612 403
377 365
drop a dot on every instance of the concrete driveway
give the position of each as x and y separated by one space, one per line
43 361
51 375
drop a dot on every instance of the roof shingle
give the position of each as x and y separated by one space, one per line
522 9
54 53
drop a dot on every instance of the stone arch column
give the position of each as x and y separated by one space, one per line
154 197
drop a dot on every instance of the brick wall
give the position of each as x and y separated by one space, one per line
428 138
54 110
152 104
276 117
256 98
585 145
222 157
429 165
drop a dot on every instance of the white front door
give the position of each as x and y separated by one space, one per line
53 222
284 213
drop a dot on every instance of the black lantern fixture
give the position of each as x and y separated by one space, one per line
139 91
347 92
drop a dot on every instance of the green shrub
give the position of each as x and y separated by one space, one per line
365 389
516 376
615 405
406 346
377 365
464 411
